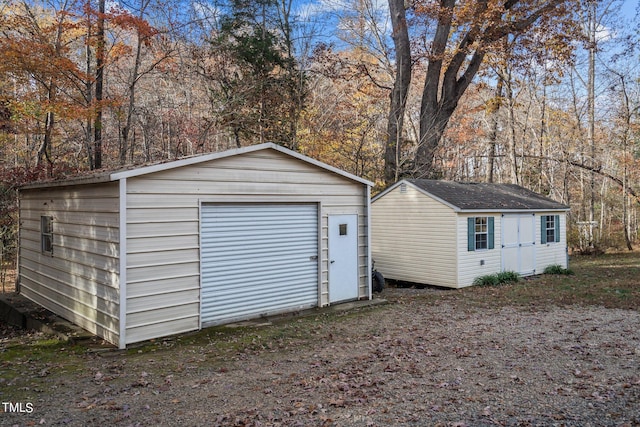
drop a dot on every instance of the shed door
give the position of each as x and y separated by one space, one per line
518 243
343 257
257 259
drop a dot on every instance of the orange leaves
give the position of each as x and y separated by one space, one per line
139 26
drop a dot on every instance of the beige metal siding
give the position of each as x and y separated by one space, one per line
551 253
472 264
80 281
413 238
163 228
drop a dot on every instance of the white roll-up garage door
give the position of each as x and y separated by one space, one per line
257 259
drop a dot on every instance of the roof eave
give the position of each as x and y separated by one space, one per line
523 210
95 179
229 153
130 173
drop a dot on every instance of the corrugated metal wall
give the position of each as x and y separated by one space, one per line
163 268
80 280
257 259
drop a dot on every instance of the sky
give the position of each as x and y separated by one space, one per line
326 12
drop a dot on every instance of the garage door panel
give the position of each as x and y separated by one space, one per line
250 277
291 249
257 259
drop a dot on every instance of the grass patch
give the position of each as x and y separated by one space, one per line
558 269
607 280
29 367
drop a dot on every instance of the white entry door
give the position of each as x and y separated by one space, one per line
518 243
343 257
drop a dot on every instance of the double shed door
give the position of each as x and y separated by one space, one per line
518 243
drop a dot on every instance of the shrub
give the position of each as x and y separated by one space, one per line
488 280
557 269
497 279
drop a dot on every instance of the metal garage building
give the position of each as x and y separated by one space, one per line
158 250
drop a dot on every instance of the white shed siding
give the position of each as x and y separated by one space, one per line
551 253
413 238
80 281
472 264
163 228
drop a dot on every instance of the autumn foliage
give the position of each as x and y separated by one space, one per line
494 91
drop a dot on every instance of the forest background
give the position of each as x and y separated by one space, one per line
541 93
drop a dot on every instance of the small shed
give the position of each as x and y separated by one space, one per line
174 247
447 233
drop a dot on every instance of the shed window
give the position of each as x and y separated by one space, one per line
46 234
480 232
549 228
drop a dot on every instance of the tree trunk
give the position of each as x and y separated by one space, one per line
124 135
89 92
592 25
399 93
445 84
45 147
493 134
511 150
100 59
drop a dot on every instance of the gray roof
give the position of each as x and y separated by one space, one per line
485 196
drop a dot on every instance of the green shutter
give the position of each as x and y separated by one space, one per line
471 234
490 236
556 222
543 229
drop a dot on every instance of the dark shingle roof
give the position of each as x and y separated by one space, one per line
480 196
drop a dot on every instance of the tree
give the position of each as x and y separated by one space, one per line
257 89
36 49
400 91
100 63
464 32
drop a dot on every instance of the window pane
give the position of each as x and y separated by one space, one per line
47 244
481 241
550 228
481 224
46 224
46 234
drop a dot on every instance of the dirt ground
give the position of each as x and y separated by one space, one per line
405 363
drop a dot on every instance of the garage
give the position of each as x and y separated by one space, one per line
142 253
258 259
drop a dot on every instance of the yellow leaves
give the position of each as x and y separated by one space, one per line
493 104
119 50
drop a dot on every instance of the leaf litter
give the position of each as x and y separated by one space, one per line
408 363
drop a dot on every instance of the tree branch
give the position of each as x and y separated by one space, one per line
597 169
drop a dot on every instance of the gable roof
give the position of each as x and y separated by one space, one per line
472 196
108 176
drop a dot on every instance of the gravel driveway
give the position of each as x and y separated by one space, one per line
405 363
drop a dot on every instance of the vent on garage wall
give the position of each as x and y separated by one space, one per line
403 187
